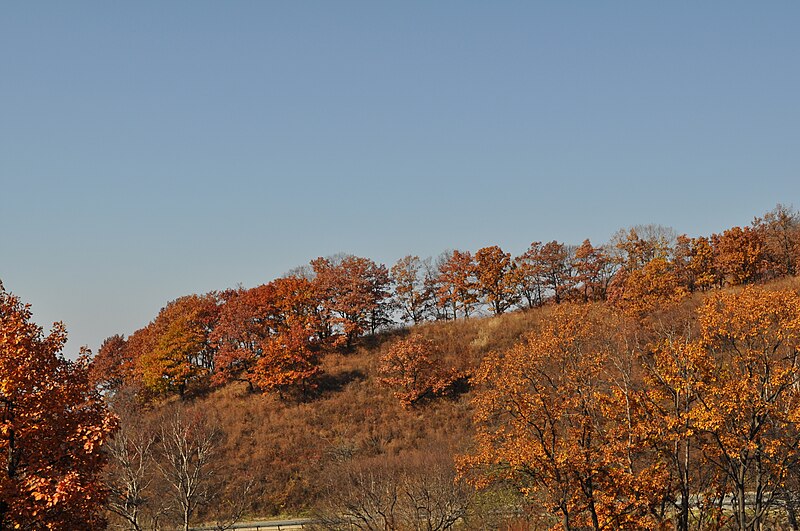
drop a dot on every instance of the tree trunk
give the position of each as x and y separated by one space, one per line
791 510
741 507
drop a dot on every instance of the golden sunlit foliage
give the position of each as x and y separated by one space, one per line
457 284
551 418
414 368
609 421
645 388
52 429
413 291
494 280
355 291
642 290
238 334
740 255
181 353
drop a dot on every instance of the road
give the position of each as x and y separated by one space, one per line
265 525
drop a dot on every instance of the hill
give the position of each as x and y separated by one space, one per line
611 387
294 449
319 454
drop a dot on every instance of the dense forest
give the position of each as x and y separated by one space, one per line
652 382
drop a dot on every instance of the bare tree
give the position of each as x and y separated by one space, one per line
127 477
366 499
432 499
384 494
186 451
232 504
635 246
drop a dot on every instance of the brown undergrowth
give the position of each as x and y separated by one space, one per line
290 448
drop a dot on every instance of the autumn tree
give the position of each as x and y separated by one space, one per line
356 291
139 344
432 282
593 271
750 405
296 302
52 429
682 255
270 336
555 267
457 283
694 263
444 290
643 243
527 278
245 321
412 367
675 372
541 270
180 351
288 359
550 419
702 266
640 291
411 293
408 367
113 366
291 355
721 400
739 254
493 278
779 229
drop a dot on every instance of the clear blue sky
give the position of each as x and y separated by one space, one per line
154 149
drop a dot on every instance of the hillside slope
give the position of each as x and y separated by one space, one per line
295 455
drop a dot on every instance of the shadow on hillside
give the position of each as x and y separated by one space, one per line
333 383
452 392
458 387
374 341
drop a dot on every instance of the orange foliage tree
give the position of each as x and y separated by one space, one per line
457 284
675 368
703 265
550 419
750 407
356 291
245 321
593 271
526 276
739 254
644 243
112 367
610 420
411 293
412 367
137 345
269 336
555 268
290 355
640 291
289 359
779 229
493 278
52 428
180 352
